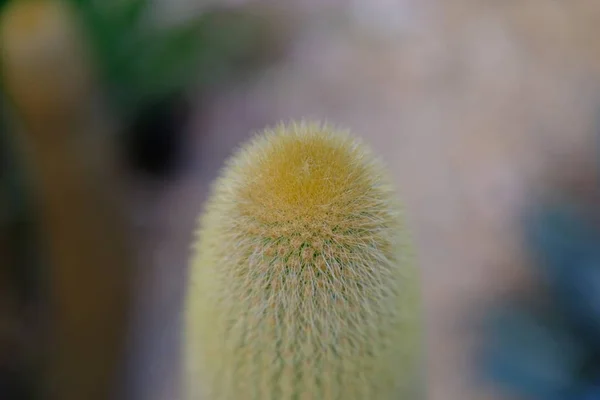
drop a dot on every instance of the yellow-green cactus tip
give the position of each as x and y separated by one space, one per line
302 285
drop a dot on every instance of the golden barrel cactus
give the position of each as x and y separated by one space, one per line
302 285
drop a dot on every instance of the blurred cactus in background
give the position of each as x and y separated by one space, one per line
303 285
46 73
49 82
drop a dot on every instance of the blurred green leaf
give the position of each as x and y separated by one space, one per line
166 61
111 24
206 50
124 14
140 63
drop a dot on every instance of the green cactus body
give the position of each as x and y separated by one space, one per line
303 284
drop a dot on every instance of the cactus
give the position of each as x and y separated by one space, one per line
85 274
303 284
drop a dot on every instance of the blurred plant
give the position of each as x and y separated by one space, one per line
146 69
143 65
142 62
551 349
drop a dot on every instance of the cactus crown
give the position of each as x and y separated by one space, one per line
302 279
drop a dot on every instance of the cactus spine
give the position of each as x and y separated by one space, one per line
302 285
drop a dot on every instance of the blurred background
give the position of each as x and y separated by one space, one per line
475 105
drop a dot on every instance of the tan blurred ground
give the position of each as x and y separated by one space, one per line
469 102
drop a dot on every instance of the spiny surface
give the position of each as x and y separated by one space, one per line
302 285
